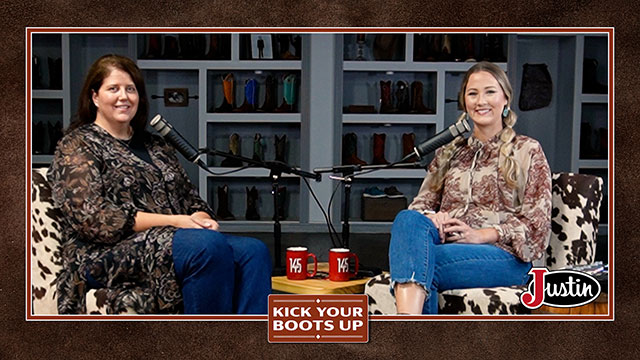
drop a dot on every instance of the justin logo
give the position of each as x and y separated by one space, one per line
343 265
560 288
295 266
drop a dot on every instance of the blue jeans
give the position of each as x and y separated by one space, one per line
417 255
221 274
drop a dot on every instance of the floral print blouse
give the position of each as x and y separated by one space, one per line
475 192
99 185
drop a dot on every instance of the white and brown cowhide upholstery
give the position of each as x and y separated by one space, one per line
576 211
45 251
574 220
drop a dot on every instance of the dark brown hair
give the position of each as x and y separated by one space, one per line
100 70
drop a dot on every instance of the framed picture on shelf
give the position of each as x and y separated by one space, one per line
261 46
176 97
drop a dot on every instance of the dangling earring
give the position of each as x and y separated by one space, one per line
505 112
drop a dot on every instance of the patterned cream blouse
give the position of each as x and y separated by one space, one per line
475 192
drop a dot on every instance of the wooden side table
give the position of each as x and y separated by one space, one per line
318 286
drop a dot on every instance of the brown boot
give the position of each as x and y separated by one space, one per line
270 95
228 103
350 150
223 204
386 102
417 105
402 97
408 143
252 204
378 149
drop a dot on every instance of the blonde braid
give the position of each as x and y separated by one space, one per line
509 166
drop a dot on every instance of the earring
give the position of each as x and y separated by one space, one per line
505 112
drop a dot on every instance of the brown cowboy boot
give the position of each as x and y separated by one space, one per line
252 204
270 95
378 149
386 101
350 150
408 143
402 97
417 105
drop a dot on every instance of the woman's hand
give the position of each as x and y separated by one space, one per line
439 220
456 230
204 220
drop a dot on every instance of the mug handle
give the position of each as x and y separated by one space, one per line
355 273
315 265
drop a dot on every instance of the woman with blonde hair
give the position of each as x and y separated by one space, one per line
483 212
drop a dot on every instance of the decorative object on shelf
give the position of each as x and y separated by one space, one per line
537 88
296 41
493 48
250 87
403 101
590 84
282 198
385 46
289 94
408 143
361 41
445 51
289 46
261 46
270 95
228 101
175 97
171 49
463 48
234 149
154 47
434 46
386 100
219 47
258 148
281 146
378 149
350 150
55 73
252 204
417 104
223 212
55 134
36 73
192 46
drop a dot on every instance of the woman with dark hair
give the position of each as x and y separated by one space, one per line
483 212
133 223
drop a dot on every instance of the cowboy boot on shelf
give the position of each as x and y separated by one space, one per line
417 104
282 198
289 94
252 204
258 148
281 144
350 150
468 48
234 149
213 52
38 138
402 97
55 73
187 43
378 149
386 101
270 95
55 134
590 84
445 52
434 47
249 103
171 50
228 102
497 48
36 73
408 143
223 204
154 49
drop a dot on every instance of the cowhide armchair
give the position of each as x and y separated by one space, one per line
45 252
574 224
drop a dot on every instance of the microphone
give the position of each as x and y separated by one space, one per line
445 136
174 138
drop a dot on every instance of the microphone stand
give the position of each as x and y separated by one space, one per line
348 175
277 168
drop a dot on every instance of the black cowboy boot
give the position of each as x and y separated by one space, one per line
402 97
154 48
223 204
281 144
252 204
590 84
270 95
36 73
350 150
386 101
171 50
282 198
38 138
55 73
55 134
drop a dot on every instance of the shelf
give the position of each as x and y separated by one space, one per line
291 118
593 164
249 172
384 66
219 65
370 227
419 119
394 174
47 94
41 159
595 98
266 226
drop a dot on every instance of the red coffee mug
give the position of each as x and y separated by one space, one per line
339 264
297 260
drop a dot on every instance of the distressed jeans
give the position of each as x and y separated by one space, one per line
220 273
417 255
